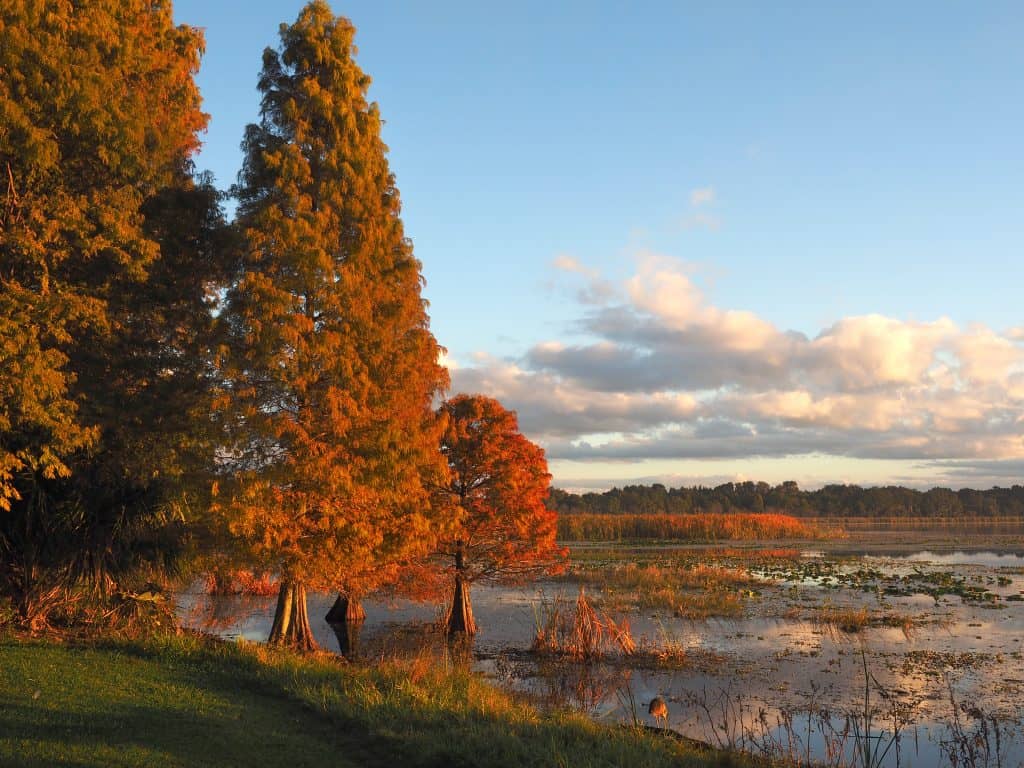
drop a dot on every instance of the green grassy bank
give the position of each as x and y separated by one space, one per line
189 701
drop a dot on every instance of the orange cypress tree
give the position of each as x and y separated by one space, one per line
99 115
498 483
331 366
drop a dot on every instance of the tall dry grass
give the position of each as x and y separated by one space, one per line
579 631
693 591
692 528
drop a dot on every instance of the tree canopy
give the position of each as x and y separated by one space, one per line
331 368
495 496
103 305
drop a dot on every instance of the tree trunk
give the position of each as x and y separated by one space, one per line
460 618
283 613
347 609
291 620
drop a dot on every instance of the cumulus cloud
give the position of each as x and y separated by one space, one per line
594 289
662 372
550 407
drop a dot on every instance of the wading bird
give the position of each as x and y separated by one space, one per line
659 709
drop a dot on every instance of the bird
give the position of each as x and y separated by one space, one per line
658 709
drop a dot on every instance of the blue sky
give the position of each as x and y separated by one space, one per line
848 173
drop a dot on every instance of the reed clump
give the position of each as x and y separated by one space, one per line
853 621
580 631
841 619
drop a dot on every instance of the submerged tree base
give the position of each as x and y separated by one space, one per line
346 610
346 618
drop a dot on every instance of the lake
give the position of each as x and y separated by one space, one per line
936 638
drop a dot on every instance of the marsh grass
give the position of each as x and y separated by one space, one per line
578 632
688 590
870 734
710 527
848 620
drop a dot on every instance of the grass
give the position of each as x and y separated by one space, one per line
691 590
852 621
692 528
190 701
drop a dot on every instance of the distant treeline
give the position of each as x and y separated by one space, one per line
788 498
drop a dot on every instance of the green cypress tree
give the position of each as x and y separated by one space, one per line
332 368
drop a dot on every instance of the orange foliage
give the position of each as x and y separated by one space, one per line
241 582
331 364
332 367
495 495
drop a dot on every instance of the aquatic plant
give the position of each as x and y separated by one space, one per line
974 737
580 633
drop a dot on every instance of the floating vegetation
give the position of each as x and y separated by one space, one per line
940 663
830 574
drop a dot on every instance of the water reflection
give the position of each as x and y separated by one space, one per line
986 558
347 634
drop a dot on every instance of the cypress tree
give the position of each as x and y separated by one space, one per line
103 302
501 529
331 366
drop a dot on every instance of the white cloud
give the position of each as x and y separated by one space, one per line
662 372
444 360
551 407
